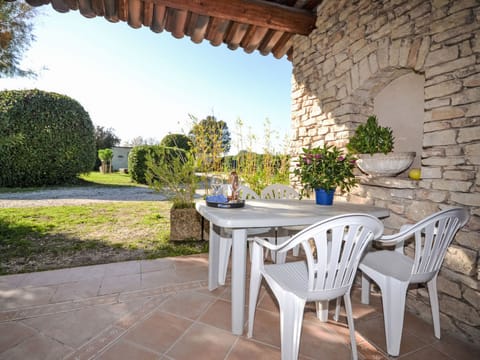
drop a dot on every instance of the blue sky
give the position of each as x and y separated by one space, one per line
144 84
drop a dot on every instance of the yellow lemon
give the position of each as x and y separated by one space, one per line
415 174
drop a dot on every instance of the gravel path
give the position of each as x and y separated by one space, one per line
78 196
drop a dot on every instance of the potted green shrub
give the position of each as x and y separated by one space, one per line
323 170
172 172
373 146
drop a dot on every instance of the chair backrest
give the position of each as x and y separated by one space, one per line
279 191
432 236
245 193
333 249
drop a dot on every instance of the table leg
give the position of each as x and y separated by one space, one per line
239 264
213 259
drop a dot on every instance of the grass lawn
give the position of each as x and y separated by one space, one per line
42 238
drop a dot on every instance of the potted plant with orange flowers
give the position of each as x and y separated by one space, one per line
323 170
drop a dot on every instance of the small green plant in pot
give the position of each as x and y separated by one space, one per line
371 138
172 172
323 170
373 145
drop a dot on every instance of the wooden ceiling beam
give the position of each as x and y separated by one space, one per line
253 12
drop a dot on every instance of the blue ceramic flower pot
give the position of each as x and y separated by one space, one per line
324 197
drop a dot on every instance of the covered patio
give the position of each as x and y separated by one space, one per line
114 311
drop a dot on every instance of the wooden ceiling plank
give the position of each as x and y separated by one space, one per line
282 46
72 4
255 36
198 27
60 6
216 31
147 14
180 21
135 13
158 20
98 7
253 12
235 35
111 10
122 9
85 8
269 41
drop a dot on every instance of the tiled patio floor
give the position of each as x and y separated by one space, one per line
162 309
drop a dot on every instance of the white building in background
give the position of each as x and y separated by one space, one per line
120 157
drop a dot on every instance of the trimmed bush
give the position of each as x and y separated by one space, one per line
138 158
46 139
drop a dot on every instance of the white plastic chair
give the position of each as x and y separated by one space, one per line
393 271
333 248
277 192
225 243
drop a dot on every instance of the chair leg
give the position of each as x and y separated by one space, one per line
255 281
322 310
225 248
351 327
394 294
337 309
432 293
291 319
365 298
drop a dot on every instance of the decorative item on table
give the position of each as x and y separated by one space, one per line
231 200
325 168
234 186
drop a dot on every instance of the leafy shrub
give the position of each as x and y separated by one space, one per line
371 138
47 139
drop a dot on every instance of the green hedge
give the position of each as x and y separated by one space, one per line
46 139
137 159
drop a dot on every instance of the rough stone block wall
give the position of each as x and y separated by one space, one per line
357 49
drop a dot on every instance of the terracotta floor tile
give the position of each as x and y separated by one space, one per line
115 284
13 333
156 265
24 297
248 349
45 278
159 278
218 315
122 268
127 350
8 282
37 347
74 328
158 332
189 304
203 342
373 330
77 290
427 352
266 327
457 349
319 343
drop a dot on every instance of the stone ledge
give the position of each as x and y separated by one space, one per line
389 182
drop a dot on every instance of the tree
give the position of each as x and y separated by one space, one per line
180 141
138 141
211 131
15 37
105 138
105 156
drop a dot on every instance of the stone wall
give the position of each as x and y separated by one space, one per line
357 49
